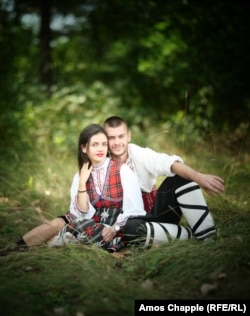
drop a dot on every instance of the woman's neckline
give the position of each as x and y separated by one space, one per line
101 164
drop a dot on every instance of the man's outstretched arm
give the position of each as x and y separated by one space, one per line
211 184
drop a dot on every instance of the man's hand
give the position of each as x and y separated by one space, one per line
211 184
108 233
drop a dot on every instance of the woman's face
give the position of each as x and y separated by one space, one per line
97 148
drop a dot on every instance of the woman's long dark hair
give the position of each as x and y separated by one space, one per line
84 139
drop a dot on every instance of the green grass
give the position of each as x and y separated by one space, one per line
85 281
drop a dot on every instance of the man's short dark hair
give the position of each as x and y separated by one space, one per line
114 121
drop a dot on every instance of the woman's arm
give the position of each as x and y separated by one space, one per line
80 203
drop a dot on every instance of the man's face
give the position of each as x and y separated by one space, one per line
118 139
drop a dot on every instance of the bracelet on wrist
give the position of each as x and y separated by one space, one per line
79 191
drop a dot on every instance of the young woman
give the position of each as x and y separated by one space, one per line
101 189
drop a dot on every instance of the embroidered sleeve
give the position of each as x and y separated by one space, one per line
74 207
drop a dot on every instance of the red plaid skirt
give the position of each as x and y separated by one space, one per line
149 199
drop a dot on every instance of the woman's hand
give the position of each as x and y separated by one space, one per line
82 196
84 175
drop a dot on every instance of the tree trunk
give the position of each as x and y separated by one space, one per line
45 69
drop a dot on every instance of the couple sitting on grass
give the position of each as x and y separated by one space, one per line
115 201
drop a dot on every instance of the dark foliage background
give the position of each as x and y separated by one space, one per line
165 60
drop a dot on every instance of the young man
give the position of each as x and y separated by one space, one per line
179 194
